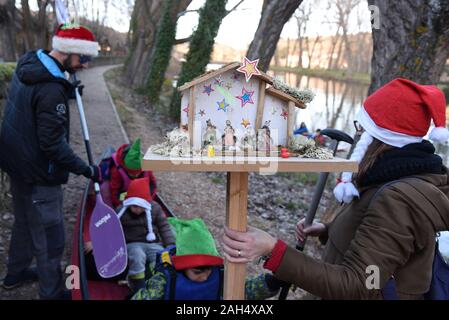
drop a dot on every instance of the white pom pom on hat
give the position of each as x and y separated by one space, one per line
397 114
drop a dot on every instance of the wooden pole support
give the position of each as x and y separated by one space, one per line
236 219
191 113
260 105
291 120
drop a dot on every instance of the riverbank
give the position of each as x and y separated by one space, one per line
338 75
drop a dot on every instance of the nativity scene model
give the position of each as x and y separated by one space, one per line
236 110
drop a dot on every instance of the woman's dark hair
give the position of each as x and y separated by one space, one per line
375 151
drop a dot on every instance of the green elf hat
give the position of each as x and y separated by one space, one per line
195 246
133 159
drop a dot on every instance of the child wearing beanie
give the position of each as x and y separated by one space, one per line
128 160
146 230
195 272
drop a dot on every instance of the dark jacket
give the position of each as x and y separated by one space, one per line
135 228
394 231
34 138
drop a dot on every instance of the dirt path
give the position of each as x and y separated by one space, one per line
104 130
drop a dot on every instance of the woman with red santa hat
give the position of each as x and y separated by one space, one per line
384 234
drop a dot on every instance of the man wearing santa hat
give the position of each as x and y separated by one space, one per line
35 152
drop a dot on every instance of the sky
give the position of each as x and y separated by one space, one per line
238 28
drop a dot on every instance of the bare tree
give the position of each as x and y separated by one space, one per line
343 10
8 27
302 16
27 25
41 25
412 41
275 13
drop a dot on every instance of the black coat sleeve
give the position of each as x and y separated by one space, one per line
52 123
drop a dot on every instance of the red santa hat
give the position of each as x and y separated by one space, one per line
397 114
76 39
139 195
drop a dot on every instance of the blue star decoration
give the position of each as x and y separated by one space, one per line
246 97
208 89
222 105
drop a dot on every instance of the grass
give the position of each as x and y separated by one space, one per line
300 177
218 180
340 75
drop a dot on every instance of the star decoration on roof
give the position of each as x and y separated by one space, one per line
228 85
245 123
202 113
222 105
208 89
246 97
219 81
249 68
186 109
284 114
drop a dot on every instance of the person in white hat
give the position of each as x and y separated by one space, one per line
384 235
36 154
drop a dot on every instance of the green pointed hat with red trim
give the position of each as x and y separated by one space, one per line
195 246
133 159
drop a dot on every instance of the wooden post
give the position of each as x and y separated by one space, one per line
191 113
260 105
290 120
236 219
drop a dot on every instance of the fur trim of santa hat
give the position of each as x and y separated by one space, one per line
397 114
75 39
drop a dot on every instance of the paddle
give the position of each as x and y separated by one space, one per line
106 232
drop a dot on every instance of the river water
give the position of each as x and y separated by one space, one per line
335 105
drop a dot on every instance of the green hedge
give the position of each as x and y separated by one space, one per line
6 72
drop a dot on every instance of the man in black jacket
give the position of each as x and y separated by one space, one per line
35 152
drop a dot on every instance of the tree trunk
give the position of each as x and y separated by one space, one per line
412 42
7 25
146 15
145 23
333 46
275 14
27 25
211 15
42 29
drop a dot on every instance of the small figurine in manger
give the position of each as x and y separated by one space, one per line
264 140
228 138
248 142
210 136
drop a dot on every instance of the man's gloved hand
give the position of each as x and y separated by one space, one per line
77 84
273 283
94 173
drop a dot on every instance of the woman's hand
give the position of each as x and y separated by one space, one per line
314 230
243 247
88 247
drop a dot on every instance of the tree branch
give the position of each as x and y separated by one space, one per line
183 40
